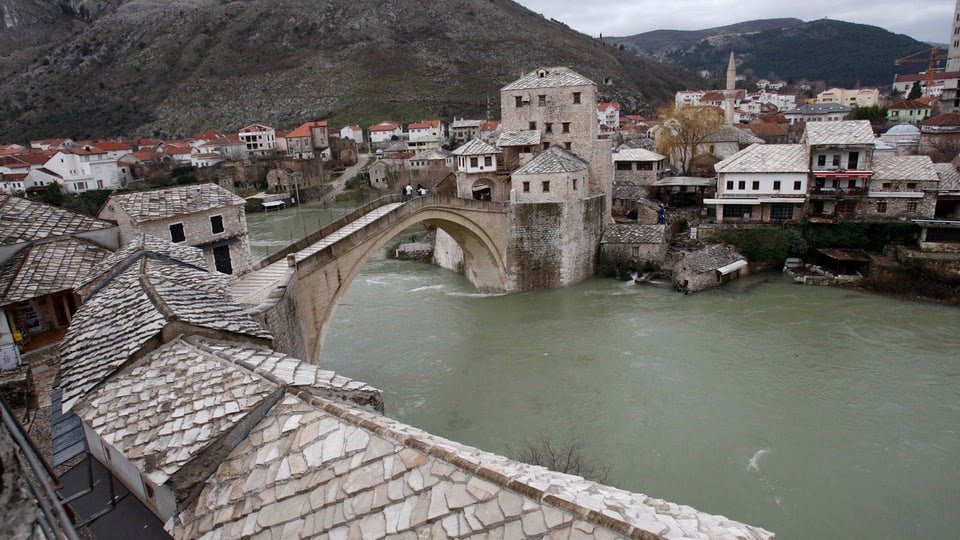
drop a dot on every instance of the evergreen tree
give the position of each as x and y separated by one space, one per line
915 91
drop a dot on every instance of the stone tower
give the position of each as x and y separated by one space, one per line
730 92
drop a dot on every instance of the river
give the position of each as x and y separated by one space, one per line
812 412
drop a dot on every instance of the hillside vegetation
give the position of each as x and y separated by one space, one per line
839 53
140 67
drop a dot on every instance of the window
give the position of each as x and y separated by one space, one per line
781 211
150 493
712 149
576 98
216 224
474 162
488 161
755 185
526 187
624 165
887 185
566 145
636 251
729 184
911 185
81 186
546 186
176 233
911 207
736 211
821 161
574 184
541 100
532 126
797 185
881 207
836 160
851 184
566 127
99 184
853 160
742 184
776 185
519 102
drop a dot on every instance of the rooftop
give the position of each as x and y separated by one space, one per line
552 77
631 233
893 167
636 154
841 132
949 176
475 147
772 158
143 206
555 159
22 220
519 138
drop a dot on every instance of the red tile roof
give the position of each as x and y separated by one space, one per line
946 119
384 126
608 105
909 104
424 124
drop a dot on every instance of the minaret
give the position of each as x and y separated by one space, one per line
953 52
730 94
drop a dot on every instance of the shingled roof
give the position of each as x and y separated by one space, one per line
555 159
22 220
130 304
143 206
766 158
841 132
551 77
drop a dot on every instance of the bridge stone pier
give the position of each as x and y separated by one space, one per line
299 287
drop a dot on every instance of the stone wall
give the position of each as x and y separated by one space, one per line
279 313
897 208
447 253
553 244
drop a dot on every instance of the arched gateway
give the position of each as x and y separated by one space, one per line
300 287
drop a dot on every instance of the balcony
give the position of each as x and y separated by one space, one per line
830 193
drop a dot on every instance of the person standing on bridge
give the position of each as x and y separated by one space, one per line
421 191
407 192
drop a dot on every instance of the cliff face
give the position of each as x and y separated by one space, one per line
176 67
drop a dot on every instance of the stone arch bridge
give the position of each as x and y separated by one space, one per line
295 291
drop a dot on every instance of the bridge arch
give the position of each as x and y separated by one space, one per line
479 227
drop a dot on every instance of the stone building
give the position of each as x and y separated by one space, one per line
841 161
635 244
902 188
637 166
204 216
708 267
477 166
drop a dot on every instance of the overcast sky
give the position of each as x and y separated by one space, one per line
924 20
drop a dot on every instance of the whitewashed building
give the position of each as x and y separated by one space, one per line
763 183
259 139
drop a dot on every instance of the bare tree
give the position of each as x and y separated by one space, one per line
565 457
685 129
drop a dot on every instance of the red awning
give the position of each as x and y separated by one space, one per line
843 174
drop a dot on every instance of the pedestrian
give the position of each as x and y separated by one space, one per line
408 192
421 191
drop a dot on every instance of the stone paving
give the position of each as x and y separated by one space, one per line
254 288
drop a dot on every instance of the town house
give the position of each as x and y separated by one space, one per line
910 111
381 134
901 188
80 169
425 135
205 216
462 130
354 133
608 116
841 161
259 139
763 183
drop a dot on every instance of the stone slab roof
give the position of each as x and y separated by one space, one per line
165 408
842 132
48 267
551 77
637 154
127 308
434 154
519 138
313 467
22 220
710 258
143 244
475 147
766 158
892 167
144 206
634 233
555 159
949 176
728 133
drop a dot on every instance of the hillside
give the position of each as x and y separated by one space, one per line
837 52
141 67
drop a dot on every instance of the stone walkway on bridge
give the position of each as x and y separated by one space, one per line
254 287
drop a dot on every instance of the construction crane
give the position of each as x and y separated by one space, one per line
922 57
